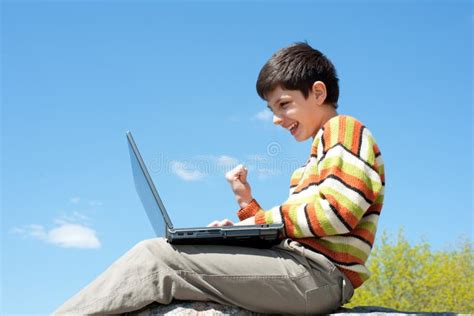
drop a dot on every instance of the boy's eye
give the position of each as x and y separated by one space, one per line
284 104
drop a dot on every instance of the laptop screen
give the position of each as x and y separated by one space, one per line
146 191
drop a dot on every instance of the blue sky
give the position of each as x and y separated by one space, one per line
181 76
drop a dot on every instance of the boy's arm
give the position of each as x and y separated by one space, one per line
347 183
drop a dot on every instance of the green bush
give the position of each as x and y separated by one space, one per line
414 278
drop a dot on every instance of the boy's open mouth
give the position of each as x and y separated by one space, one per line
292 128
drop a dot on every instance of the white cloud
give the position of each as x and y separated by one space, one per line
227 162
212 164
73 236
185 172
264 115
65 234
74 200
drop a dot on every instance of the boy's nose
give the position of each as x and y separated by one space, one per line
277 120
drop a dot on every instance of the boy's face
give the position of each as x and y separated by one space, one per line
301 116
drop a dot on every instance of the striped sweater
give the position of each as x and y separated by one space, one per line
335 198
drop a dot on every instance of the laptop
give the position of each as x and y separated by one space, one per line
259 236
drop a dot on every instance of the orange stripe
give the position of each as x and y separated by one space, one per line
313 220
290 228
341 257
356 137
306 182
364 233
294 181
349 218
348 179
250 210
376 207
327 137
353 276
342 130
376 149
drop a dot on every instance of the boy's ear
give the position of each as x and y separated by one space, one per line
319 90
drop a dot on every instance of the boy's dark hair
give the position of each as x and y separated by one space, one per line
297 67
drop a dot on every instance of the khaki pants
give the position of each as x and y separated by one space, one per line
284 279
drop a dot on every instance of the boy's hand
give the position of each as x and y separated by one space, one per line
224 222
227 222
237 179
248 221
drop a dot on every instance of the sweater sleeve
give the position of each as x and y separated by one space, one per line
248 211
341 184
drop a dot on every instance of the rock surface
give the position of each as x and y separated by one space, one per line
208 308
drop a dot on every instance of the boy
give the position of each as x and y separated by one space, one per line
330 216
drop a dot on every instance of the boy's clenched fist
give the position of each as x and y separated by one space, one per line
237 179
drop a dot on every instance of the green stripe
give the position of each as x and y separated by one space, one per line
313 169
381 169
345 248
334 126
379 199
370 151
316 142
354 208
269 217
297 173
323 220
294 219
369 226
301 200
349 132
350 169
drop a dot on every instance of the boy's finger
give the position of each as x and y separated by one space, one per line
241 175
234 173
244 174
214 224
226 222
